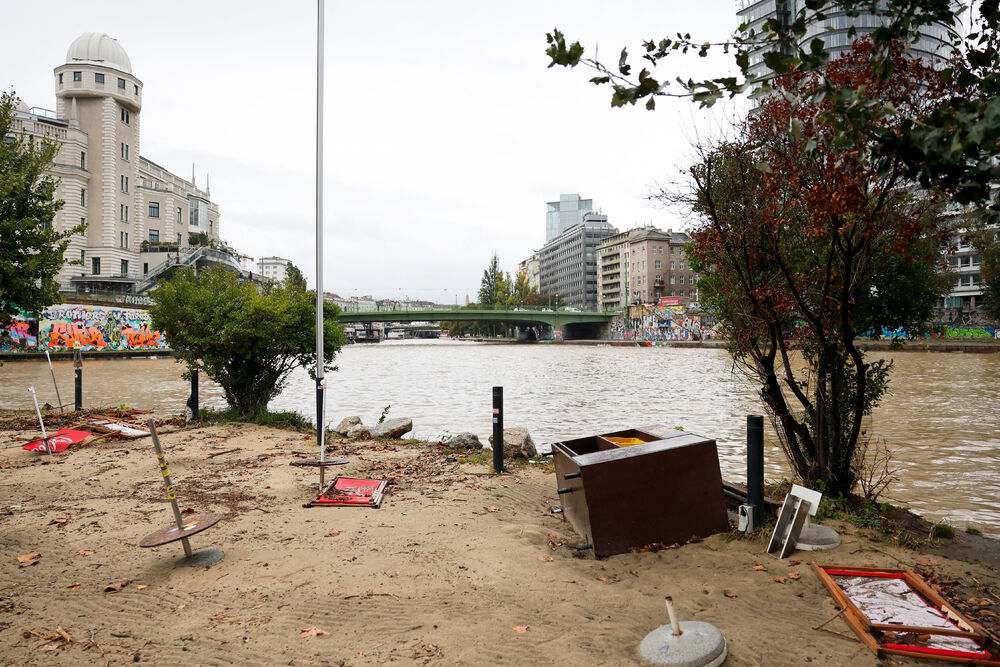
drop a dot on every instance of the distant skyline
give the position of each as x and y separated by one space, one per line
446 134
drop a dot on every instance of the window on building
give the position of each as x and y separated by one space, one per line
83 160
123 212
78 76
121 83
145 268
124 179
60 77
126 118
95 266
124 267
154 209
83 256
673 280
136 86
98 78
211 227
681 266
179 240
682 280
180 214
83 197
657 264
154 235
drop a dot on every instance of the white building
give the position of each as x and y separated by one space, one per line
140 217
273 268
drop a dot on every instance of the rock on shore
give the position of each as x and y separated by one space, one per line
517 442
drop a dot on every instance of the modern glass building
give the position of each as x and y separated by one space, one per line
563 214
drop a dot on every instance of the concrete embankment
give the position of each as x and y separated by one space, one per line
64 355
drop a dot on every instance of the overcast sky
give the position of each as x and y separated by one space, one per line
446 134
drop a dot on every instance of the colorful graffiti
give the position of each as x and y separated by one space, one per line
21 336
660 324
70 326
952 331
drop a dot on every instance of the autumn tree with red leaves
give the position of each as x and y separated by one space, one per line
809 235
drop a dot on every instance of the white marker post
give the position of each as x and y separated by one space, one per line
45 437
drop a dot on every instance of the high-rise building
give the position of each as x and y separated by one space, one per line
563 214
140 217
642 265
568 263
833 30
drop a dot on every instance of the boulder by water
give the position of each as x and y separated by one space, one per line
392 428
345 425
517 442
358 431
465 441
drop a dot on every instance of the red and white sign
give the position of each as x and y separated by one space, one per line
58 441
670 301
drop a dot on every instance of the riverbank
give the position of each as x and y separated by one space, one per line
458 566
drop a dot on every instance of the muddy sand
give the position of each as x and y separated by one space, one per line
458 566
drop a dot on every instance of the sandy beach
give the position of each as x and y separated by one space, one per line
458 566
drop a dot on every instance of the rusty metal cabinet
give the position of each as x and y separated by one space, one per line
666 489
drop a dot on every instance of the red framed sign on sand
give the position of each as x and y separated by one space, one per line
895 612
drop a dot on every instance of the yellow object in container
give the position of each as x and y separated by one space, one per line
625 442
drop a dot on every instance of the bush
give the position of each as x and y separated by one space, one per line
245 339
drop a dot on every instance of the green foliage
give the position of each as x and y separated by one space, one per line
956 148
286 421
943 531
246 340
294 277
31 251
385 411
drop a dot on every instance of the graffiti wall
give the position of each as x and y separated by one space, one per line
661 323
22 336
97 328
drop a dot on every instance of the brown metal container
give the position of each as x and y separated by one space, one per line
667 489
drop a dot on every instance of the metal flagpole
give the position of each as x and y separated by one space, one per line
320 386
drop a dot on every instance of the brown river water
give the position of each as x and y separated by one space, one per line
942 417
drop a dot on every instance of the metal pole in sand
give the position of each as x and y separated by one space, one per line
170 487
320 384
45 438
54 384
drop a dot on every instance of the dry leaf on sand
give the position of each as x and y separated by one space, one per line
780 580
520 628
793 575
117 585
84 552
760 568
312 631
492 509
546 559
334 532
28 559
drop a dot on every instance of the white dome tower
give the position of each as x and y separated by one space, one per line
96 89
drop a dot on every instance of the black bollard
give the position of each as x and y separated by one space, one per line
78 394
194 395
498 429
755 466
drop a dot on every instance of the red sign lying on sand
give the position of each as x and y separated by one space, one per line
58 441
351 492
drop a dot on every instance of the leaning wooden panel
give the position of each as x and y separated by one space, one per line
895 612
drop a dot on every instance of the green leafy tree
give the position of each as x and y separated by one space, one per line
492 288
956 148
247 340
294 277
31 250
807 240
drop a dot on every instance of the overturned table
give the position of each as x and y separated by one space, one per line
630 489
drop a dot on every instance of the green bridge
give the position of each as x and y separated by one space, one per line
576 324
